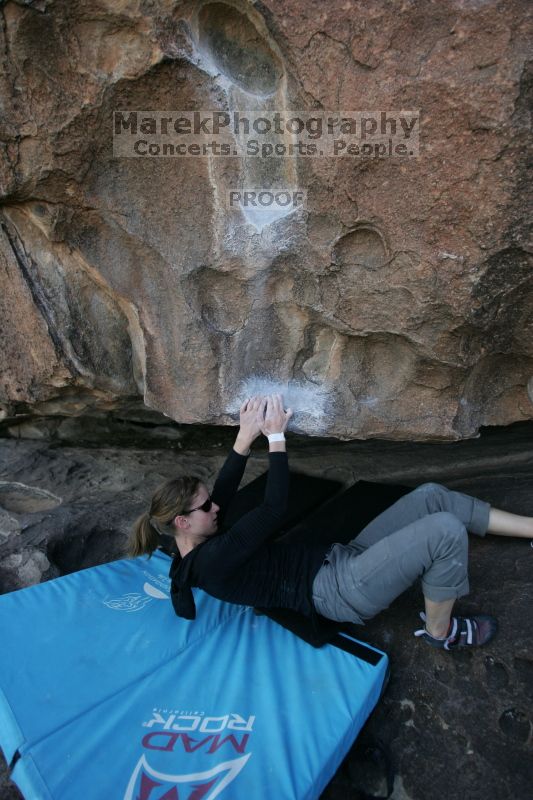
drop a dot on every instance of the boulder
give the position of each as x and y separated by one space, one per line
395 301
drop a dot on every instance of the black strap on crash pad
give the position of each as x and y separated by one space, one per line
356 648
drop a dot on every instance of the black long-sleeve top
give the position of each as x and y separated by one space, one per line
240 565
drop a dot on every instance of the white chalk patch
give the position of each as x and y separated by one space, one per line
261 218
311 403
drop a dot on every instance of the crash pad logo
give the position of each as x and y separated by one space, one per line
135 601
191 740
149 784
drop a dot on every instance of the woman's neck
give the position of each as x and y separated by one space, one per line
187 543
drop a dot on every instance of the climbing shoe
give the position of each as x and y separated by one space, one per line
463 632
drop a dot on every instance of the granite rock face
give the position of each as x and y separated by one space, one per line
397 302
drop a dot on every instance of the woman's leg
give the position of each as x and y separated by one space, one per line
365 576
429 498
438 617
504 523
356 586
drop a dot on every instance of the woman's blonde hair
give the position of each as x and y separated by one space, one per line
168 501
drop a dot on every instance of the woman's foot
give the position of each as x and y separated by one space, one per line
463 632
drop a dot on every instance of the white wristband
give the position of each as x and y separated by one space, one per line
276 437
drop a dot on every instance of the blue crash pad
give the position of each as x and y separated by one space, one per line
105 693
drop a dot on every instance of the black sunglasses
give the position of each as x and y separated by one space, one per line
206 506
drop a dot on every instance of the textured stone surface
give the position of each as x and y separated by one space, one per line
458 725
397 304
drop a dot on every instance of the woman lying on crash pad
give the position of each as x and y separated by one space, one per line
424 534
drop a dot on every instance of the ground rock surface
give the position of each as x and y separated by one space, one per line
396 303
458 725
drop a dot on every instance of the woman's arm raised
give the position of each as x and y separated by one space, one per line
230 476
227 551
251 414
255 527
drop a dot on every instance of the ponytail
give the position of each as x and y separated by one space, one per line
144 538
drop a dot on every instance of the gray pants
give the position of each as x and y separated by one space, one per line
423 534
